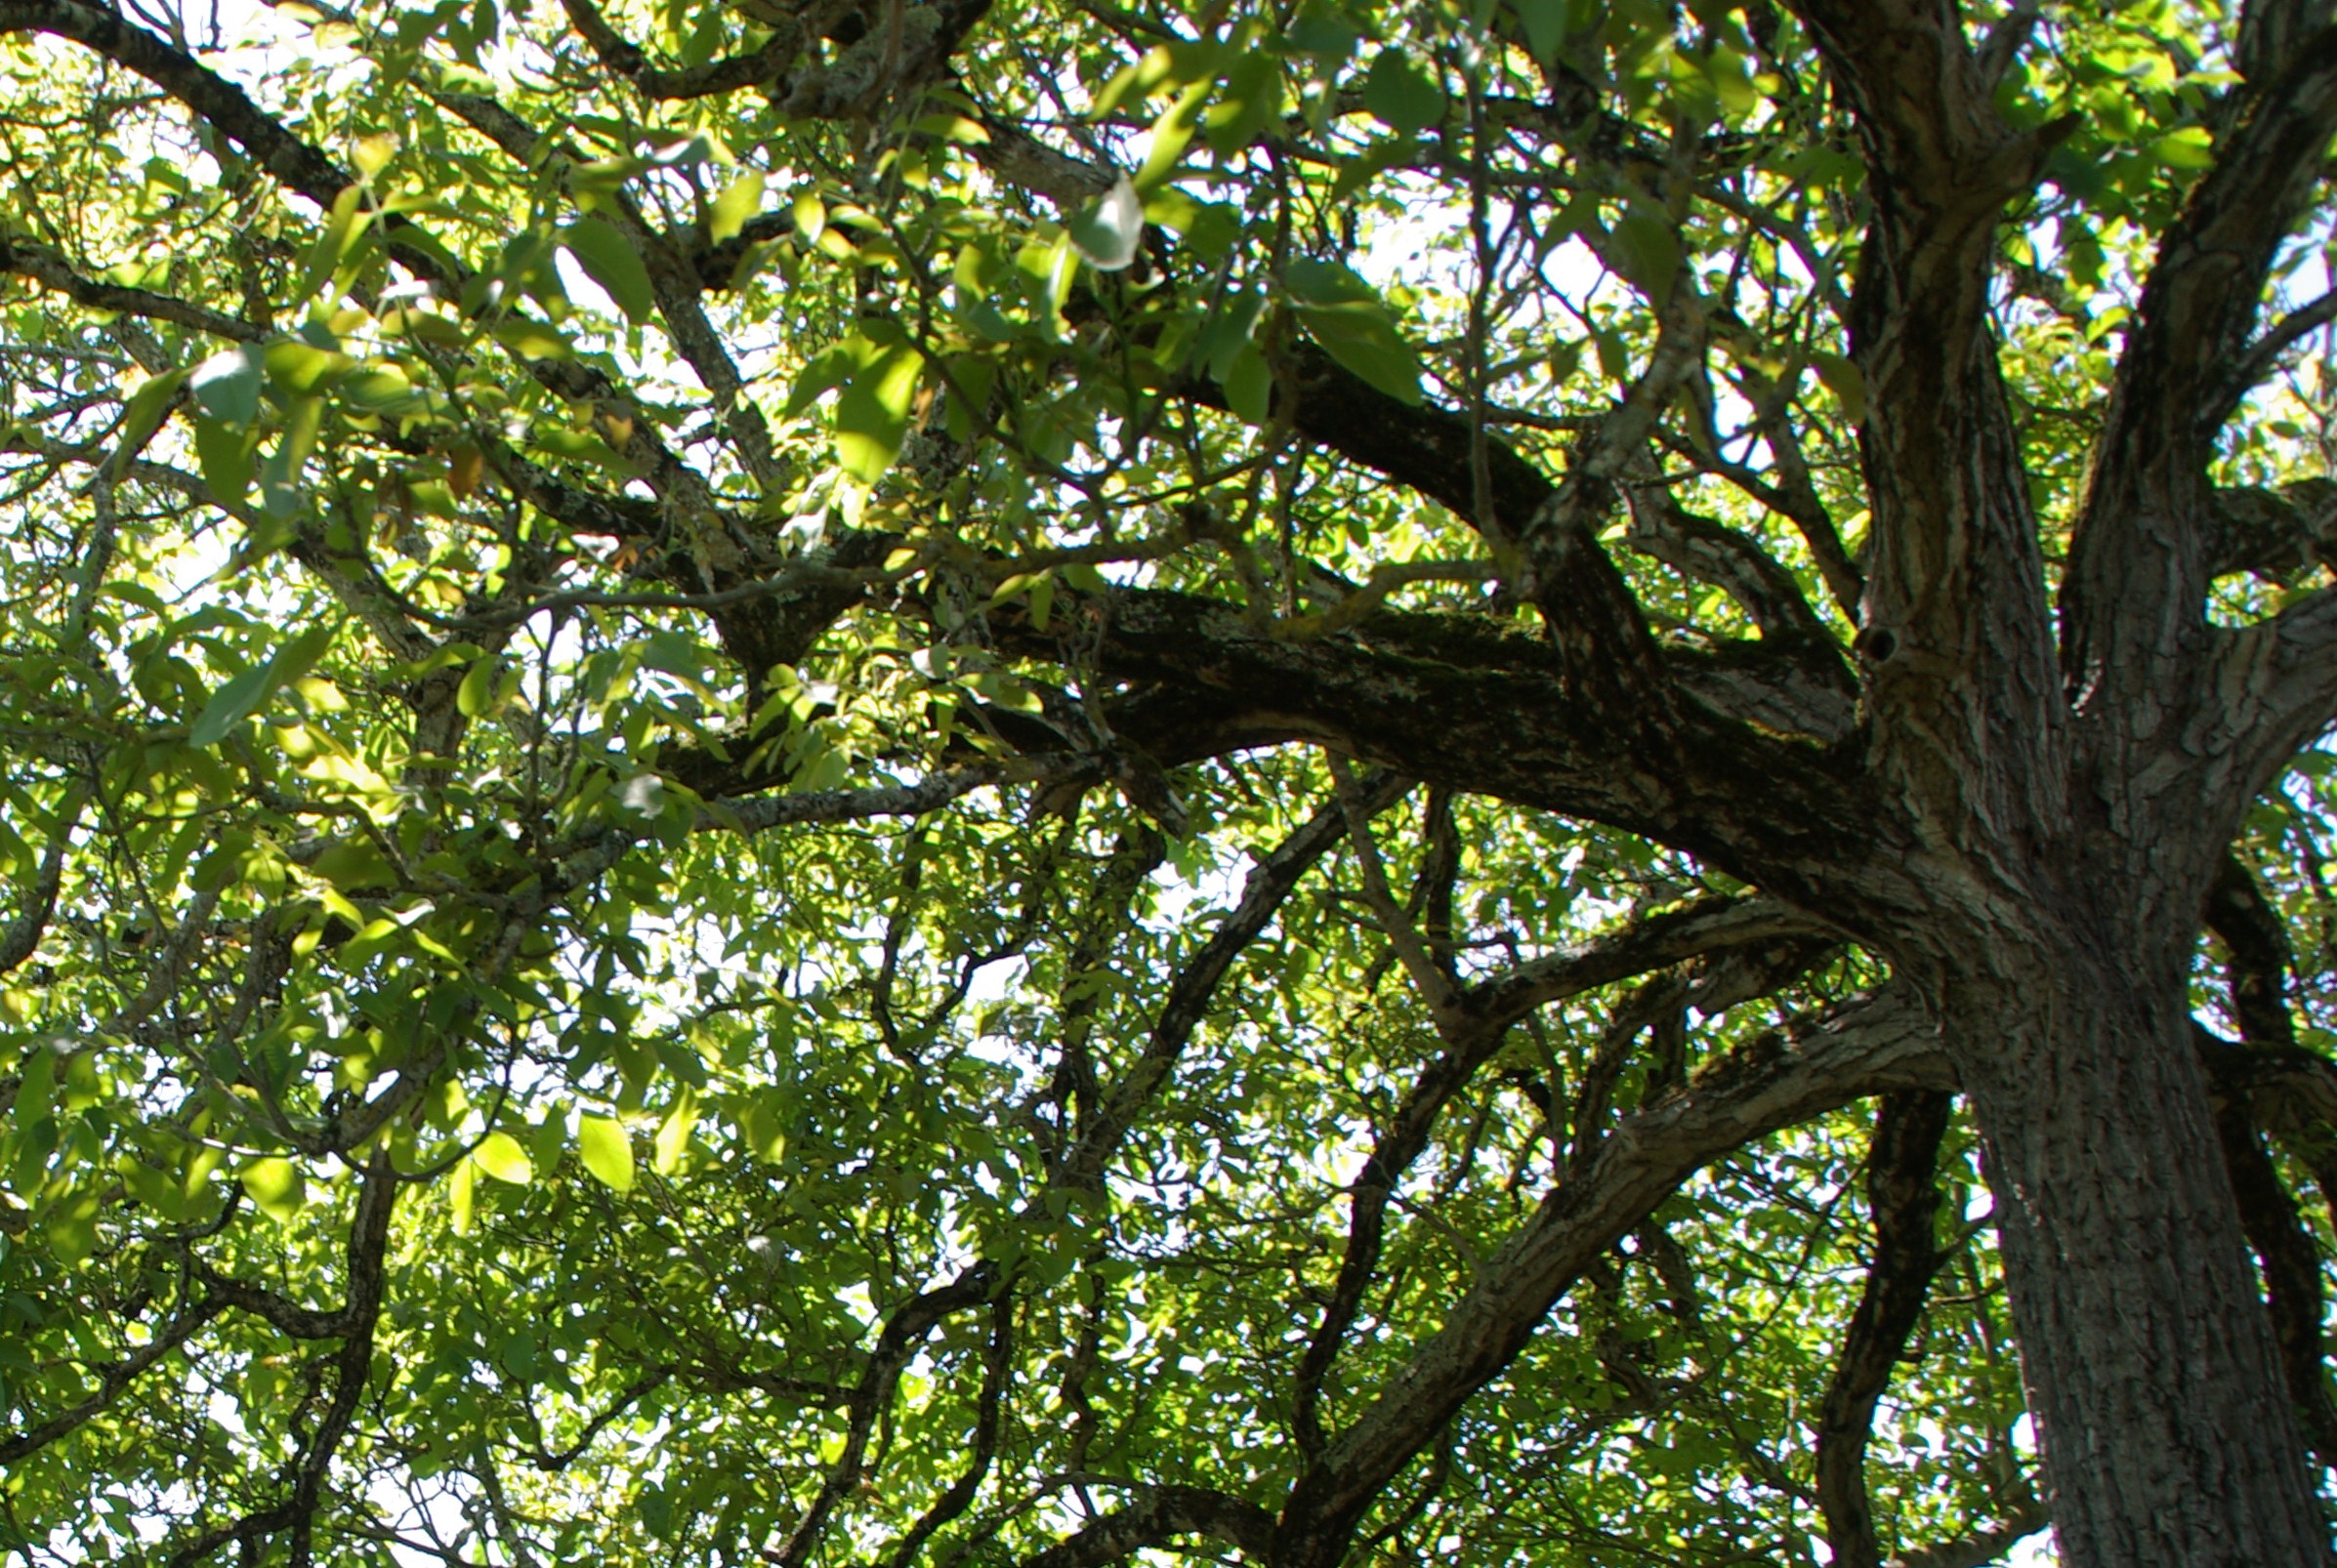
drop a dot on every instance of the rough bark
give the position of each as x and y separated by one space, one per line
2145 1351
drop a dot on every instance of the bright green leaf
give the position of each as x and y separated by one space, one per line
872 414
500 1156
477 693
606 1150
461 1196
277 1187
226 386
147 409
673 1134
741 200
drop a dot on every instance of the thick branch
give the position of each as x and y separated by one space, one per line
1882 1043
2258 960
1957 635
1165 1513
293 162
20 937
295 1512
1464 702
2139 555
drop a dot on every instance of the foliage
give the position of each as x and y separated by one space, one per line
762 793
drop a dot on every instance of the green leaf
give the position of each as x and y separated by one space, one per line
226 386
1325 35
500 1156
765 1127
72 1227
1227 332
1345 315
324 256
532 340
1249 100
476 694
1846 382
606 1150
148 407
872 415
224 453
294 367
245 694
461 1194
1249 385
299 656
1648 249
1545 24
230 705
811 216
1402 94
673 1134
741 200
1171 133
355 864
277 1187
608 261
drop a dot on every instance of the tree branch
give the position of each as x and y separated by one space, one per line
1881 1041
1473 1025
52 272
904 1334
1465 702
1271 882
1164 1514
2140 551
1981 1547
1904 1201
294 163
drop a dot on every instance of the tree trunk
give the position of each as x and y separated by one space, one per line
2148 1363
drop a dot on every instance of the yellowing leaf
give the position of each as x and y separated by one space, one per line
673 1135
741 200
500 1156
277 1187
476 694
606 1150
461 1190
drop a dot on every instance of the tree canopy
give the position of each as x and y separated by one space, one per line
1041 782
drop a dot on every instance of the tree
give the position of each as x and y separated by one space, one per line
954 784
